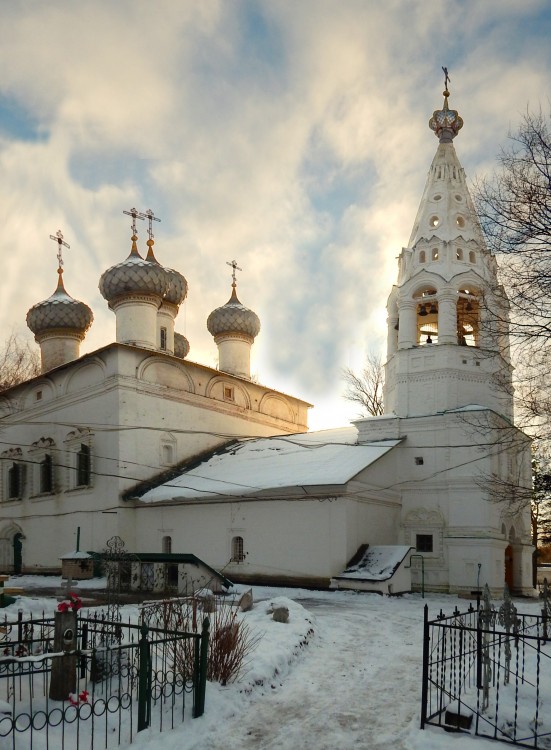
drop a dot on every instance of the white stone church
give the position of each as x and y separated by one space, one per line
137 441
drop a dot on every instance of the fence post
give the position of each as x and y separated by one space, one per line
426 648
63 678
144 681
202 680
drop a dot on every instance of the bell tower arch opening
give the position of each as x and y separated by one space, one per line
468 317
427 316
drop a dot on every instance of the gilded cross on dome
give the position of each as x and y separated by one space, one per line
150 216
135 214
58 237
235 267
446 122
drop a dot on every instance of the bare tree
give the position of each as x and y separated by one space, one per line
366 388
19 361
514 206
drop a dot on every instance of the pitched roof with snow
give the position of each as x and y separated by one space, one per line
312 459
378 563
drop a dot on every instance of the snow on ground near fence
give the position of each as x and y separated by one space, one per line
352 684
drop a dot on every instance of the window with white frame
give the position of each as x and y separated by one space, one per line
42 467
13 474
16 481
79 459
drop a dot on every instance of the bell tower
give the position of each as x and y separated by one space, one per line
447 343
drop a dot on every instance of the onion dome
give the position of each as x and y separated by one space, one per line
445 122
233 317
60 311
177 287
135 275
181 346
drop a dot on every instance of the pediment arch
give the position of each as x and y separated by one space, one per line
165 371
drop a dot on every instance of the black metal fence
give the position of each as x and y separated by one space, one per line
487 672
126 677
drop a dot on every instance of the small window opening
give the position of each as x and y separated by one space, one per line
472 257
163 339
422 256
167 454
434 253
15 481
459 254
228 393
434 221
83 466
167 545
460 221
237 553
423 543
419 460
47 474
39 395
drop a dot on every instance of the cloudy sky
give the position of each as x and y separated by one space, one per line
289 135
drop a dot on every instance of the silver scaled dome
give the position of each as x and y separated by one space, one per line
177 287
446 123
134 276
233 317
60 311
181 346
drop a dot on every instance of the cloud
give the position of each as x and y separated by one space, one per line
290 136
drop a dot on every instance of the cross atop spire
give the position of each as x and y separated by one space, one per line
235 268
135 214
446 122
447 79
150 216
58 237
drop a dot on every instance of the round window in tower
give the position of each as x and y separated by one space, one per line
437 197
434 221
458 198
460 221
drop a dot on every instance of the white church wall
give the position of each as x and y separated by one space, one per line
282 540
134 429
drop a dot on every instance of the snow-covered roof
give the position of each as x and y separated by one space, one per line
327 457
76 555
377 563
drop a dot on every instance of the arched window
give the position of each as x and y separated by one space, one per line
47 474
83 466
435 253
468 318
459 254
422 256
427 316
472 257
16 475
163 337
167 545
237 552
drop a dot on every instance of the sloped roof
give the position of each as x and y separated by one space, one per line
378 563
313 459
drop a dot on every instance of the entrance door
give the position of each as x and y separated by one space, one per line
17 553
509 567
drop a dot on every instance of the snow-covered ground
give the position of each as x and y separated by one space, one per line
344 673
